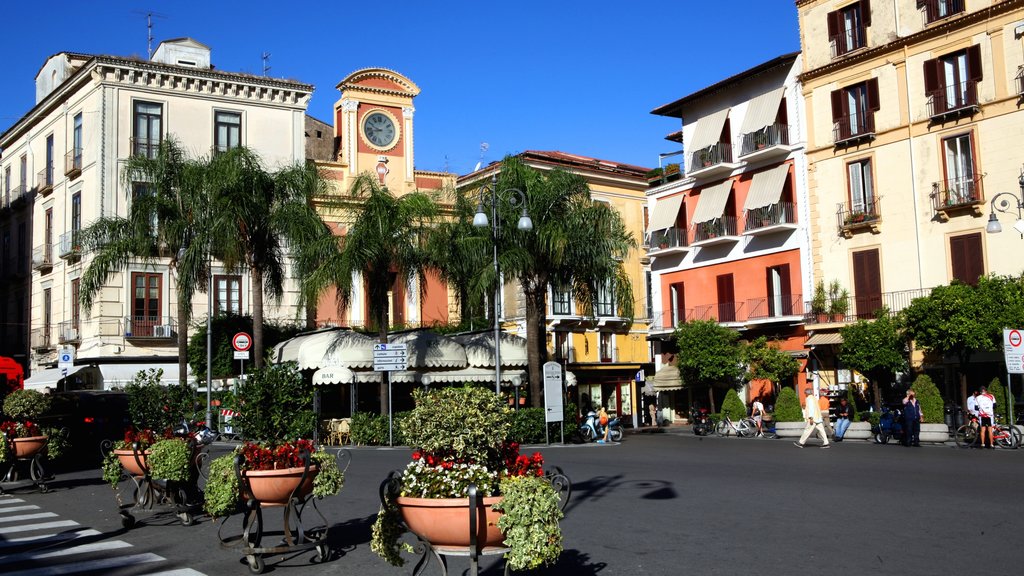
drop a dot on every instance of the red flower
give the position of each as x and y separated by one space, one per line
416 455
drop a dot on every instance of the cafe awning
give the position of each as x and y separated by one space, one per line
712 201
667 378
334 375
48 378
472 374
479 349
766 187
327 348
120 375
426 349
708 131
666 211
762 111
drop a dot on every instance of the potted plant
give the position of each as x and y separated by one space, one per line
459 438
819 303
705 157
839 301
23 437
661 240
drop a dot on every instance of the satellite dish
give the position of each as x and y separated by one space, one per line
477 167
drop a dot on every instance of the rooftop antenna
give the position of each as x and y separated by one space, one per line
484 146
149 14
266 63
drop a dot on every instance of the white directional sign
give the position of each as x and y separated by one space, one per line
66 358
552 392
1013 351
390 357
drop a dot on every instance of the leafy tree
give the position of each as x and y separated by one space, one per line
732 406
167 201
711 353
787 407
261 222
875 348
383 246
275 404
225 326
575 242
933 409
766 361
458 251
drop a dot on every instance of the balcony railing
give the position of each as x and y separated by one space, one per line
41 338
1020 81
69 245
150 327
852 217
18 193
44 180
767 137
956 193
724 226
865 306
847 41
935 10
668 238
775 307
772 215
959 97
854 127
604 309
68 332
711 156
145 147
42 257
73 163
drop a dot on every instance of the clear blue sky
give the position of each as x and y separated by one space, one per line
580 77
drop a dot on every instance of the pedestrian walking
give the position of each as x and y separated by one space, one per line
812 414
844 412
911 420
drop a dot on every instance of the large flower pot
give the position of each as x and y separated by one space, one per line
275 487
789 429
28 447
445 521
934 432
858 431
130 463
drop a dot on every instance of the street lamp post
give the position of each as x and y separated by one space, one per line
1005 202
517 198
209 327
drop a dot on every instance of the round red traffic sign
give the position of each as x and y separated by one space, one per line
1015 338
241 341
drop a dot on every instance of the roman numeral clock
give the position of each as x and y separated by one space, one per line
380 130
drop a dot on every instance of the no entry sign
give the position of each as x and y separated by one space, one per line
241 342
1013 350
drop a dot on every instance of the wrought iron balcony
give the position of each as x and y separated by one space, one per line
69 246
42 338
668 241
42 257
854 128
768 137
770 218
850 217
73 163
720 153
935 10
145 147
715 231
957 194
847 41
68 332
18 194
44 181
150 327
863 306
959 98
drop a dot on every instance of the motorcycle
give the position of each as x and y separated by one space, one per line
591 430
197 430
890 425
702 424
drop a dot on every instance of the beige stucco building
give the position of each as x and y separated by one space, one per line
64 157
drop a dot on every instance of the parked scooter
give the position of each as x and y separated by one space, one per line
890 426
591 430
702 424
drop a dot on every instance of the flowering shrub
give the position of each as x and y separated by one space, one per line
445 479
25 429
271 457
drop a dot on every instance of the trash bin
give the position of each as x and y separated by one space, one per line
954 416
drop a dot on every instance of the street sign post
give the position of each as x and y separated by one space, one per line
241 342
388 358
65 360
1013 353
553 407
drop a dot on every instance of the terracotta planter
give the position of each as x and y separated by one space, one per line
129 463
275 487
445 521
28 447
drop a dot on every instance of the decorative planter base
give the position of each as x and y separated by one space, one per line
859 431
275 487
28 447
789 429
445 521
934 433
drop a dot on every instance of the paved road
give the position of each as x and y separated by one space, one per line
667 504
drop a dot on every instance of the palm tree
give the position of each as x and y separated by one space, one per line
262 222
457 251
383 244
575 243
167 200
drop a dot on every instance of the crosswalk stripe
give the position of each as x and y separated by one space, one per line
21 517
45 539
89 565
40 526
6 501
80 549
18 508
178 572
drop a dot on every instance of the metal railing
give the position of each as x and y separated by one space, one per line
152 327
68 332
44 180
775 307
850 216
851 126
956 192
767 137
146 147
19 192
69 245
42 257
41 338
847 41
865 306
771 215
935 10
711 156
73 162
1020 81
724 226
959 96
668 238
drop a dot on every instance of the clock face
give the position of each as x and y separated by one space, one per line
379 130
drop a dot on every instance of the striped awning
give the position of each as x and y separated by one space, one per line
762 111
707 131
711 203
666 210
766 187
824 338
667 378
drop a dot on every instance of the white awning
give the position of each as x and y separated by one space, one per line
336 375
327 348
708 131
666 210
667 378
825 339
473 374
766 187
762 111
48 378
711 203
120 375
426 349
479 348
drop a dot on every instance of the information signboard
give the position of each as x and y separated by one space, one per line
553 407
1013 350
390 357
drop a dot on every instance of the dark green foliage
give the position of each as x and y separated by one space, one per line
875 348
155 406
852 401
25 405
369 429
787 407
732 406
709 353
933 409
276 405
766 361
527 426
996 389
468 421
224 328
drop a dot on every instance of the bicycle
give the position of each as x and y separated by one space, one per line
745 428
1003 436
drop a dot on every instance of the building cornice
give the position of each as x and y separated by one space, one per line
937 29
353 82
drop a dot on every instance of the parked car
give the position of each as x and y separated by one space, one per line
90 417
